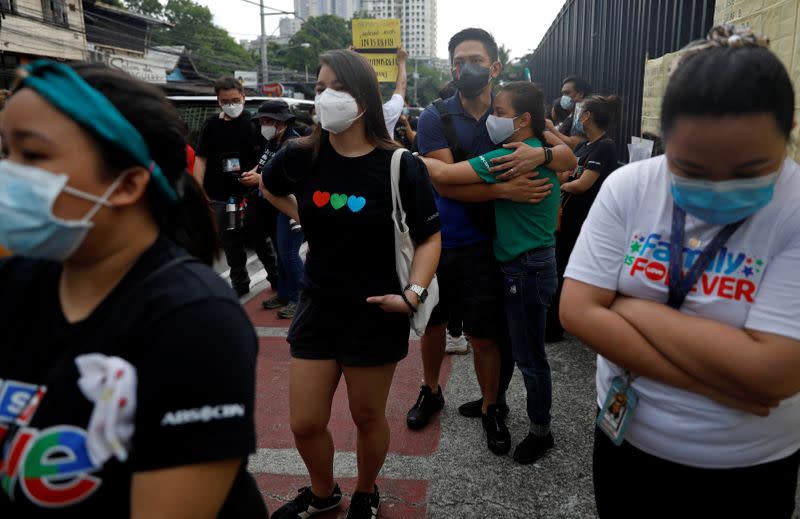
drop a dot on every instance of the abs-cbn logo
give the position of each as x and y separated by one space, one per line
203 414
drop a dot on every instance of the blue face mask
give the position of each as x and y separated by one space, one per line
726 201
27 224
567 103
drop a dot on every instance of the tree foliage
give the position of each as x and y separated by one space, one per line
321 33
213 50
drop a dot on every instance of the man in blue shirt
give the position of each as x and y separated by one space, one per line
469 276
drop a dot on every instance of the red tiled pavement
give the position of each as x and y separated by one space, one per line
272 403
261 317
400 499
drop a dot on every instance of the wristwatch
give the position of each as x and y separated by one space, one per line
422 292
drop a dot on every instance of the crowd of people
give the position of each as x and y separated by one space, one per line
134 395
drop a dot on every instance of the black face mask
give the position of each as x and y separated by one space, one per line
471 79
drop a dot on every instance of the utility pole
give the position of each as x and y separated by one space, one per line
264 62
416 80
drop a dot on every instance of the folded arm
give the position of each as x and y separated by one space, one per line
586 312
581 184
762 364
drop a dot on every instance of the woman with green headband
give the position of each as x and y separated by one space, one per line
128 367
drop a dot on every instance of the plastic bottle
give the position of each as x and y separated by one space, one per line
230 211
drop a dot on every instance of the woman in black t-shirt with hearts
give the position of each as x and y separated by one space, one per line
127 378
352 319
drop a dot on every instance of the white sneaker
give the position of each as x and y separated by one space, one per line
457 345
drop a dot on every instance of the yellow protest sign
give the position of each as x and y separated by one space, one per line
378 40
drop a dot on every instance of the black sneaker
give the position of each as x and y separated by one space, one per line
273 302
306 504
498 439
288 311
427 404
364 506
532 448
474 409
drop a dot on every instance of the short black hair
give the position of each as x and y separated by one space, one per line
474 34
724 81
581 85
227 83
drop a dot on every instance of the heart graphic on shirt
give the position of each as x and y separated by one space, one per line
321 199
356 203
338 201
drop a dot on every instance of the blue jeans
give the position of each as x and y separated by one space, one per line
530 281
290 266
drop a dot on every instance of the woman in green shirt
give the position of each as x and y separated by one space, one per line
524 246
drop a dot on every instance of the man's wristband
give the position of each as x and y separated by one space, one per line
410 306
548 156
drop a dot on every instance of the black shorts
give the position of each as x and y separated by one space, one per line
470 281
352 333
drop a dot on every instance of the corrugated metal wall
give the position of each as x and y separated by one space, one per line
607 42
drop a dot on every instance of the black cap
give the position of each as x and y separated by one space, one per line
276 109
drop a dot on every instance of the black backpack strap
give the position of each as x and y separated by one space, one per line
450 132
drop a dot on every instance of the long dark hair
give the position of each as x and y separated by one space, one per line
605 110
189 222
358 79
528 97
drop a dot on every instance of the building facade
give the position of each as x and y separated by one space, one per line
342 8
32 29
417 22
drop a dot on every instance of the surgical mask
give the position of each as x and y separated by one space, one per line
269 132
337 110
500 128
471 79
233 110
27 224
567 103
726 201
315 118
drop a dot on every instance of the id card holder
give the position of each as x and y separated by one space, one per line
617 411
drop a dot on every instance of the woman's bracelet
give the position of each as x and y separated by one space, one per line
410 306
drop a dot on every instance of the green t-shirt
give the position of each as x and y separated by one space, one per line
521 227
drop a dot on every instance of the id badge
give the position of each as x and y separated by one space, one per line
616 414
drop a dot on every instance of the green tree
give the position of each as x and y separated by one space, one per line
214 51
148 7
321 33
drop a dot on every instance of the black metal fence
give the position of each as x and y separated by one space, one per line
607 43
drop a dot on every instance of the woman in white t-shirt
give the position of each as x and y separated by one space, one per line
700 394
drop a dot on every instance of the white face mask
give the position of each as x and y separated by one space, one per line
233 110
315 118
337 110
269 132
500 128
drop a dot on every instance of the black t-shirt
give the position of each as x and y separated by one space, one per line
228 146
599 156
191 350
345 207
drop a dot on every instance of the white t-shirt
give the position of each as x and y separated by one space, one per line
754 283
392 110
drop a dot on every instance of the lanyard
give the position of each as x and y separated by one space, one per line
680 285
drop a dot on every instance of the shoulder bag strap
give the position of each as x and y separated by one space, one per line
398 213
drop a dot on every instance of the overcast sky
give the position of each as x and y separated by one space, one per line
517 24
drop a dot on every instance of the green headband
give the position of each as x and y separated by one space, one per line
63 88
